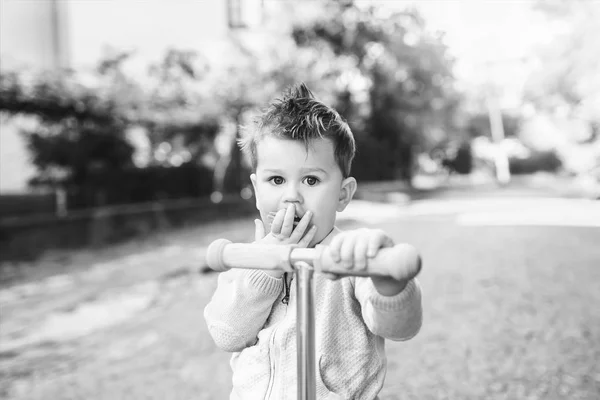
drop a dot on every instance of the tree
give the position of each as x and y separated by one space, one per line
405 95
77 121
478 124
72 131
567 77
178 107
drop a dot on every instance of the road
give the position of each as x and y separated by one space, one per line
510 309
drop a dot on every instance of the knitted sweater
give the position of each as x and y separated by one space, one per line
247 317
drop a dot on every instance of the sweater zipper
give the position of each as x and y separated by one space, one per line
272 362
286 297
274 355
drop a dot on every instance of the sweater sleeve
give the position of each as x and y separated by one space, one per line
396 317
240 307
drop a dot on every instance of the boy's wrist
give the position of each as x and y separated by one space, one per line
388 286
273 273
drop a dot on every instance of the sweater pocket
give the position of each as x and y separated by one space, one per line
323 391
356 375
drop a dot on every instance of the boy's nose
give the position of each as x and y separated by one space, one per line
292 195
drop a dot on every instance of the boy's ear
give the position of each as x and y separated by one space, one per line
346 193
253 180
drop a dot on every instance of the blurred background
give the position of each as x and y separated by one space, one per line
476 120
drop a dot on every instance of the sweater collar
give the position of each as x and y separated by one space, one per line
328 238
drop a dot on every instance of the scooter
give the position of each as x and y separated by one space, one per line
223 255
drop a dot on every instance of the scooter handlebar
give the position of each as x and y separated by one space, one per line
223 255
400 262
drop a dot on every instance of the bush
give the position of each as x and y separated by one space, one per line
462 162
77 129
139 185
13 205
374 161
546 161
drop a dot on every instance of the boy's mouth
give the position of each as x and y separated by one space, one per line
271 217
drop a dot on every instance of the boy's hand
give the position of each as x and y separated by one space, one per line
283 231
353 249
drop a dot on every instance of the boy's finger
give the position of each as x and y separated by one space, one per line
412 262
375 243
259 230
329 275
300 229
334 248
305 241
360 253
277 221
347 251
288 221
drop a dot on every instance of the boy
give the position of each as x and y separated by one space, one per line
301 151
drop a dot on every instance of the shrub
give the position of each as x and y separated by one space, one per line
374 160
138 185
547 161
13 205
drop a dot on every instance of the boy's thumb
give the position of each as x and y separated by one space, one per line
259 230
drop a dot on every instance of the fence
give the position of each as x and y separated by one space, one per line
27 237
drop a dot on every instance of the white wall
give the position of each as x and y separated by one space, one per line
26 33
33 33
26 40
15 165
149 26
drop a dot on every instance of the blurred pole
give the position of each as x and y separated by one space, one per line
60 34
305 332
61 202
497 128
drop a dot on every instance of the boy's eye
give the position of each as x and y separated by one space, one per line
277 180
311 180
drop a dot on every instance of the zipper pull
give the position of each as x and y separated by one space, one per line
286 298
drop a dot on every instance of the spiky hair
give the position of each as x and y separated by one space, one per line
298 115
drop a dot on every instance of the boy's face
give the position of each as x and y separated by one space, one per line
287 173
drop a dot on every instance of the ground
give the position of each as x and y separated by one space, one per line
510 310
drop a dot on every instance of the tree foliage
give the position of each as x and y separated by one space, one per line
74 130
388 75
399 93
77 122
478 124
567 76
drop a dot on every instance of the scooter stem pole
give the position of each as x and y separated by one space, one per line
305 331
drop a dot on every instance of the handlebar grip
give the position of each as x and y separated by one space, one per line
214 255
222 255
399 262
